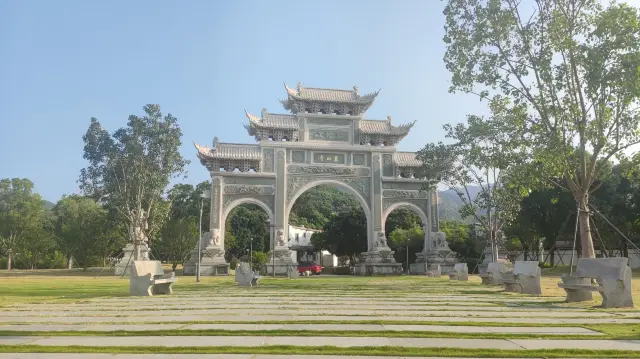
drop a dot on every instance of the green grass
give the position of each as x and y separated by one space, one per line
293 350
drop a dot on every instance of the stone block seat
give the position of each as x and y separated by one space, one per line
460 272
495 271
148 278
613 276
245 277
435 271
524 279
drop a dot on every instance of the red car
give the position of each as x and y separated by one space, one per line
311 267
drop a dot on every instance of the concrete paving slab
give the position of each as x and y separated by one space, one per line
315 311
259 341
196 356
255 341
313 318
16 340
302 327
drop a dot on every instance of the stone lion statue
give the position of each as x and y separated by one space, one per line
280 238
382 239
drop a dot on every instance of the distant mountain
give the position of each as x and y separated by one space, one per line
48 205
449 203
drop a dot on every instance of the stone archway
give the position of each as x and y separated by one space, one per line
345 186
324 140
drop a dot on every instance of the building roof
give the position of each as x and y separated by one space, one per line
234 151
330 95
406 159
384 127
273 120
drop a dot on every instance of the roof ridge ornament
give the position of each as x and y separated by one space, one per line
290 91
251 117
299 87
355 90
215 141
389 119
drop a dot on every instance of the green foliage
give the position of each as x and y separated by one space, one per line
466 240
564 76
246 223
22 218
131 169
178 237
79 229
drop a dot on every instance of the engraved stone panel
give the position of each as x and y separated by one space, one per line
328 135
297 156
337 158
267 158
387 165
435 225
404 194
359 159
329 121
260 181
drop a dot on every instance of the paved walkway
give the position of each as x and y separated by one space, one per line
198 356
307 341
304 327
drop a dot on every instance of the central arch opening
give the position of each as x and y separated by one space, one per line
404 226
328 227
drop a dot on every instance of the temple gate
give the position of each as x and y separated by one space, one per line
324 140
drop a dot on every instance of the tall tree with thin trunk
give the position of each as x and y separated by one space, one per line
131 169
569 66
21 215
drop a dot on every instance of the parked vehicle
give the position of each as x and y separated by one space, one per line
308 266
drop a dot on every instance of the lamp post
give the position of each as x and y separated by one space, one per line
205 194
251 252
273 248
424 246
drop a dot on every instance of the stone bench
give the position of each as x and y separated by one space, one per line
494 273
434 271
613 276
524 279
245 277
148 278
460 272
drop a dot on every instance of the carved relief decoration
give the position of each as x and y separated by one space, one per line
322 170
215 205
363 186
297 156
404 194
358 159
245 189
280 154
420 203
228 198
387 165
435 221
324 135
267 156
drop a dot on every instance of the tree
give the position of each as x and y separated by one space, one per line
463 239
483 155
344 235
566 70
79 227
178 237
401 239
22 215
130 169
247 223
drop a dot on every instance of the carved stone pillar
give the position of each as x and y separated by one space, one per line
280 258
212 246
378 260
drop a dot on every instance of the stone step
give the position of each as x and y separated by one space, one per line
307 341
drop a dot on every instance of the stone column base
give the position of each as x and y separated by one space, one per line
212 263
124 265
281 262
380 262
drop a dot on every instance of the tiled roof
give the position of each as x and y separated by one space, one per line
406 159
230 151
273 120
384 127
330 95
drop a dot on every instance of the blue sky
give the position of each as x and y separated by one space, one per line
63 62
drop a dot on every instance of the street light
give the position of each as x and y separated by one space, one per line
273 247
424 246
251 252
205 194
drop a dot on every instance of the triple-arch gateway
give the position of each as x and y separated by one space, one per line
324 140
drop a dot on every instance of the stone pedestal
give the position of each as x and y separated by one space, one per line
211 264
281 261
124 265
420 266
379 262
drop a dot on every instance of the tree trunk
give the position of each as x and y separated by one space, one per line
70 262
585 229
9 258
